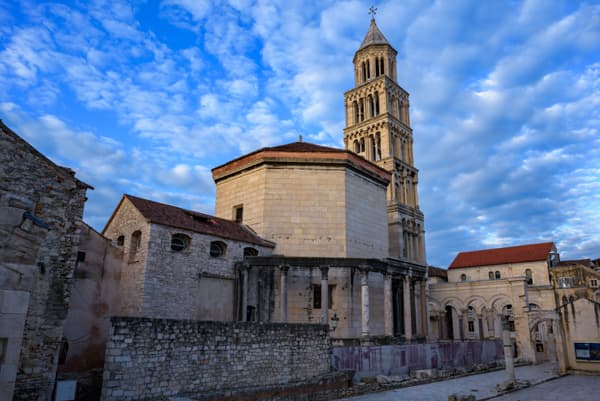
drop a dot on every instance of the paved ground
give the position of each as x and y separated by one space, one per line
568 388
482 386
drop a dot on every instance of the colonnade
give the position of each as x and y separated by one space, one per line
414 321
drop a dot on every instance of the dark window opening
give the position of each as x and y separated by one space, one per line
238 213
471 325
80 256
497 275
463 277
217 249
121 240
491 275
179 242
250 252
134 246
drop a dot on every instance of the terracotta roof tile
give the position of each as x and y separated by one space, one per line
173 216
437 272
498 256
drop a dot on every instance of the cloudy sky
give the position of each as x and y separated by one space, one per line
145 97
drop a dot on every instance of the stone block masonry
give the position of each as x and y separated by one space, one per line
153 358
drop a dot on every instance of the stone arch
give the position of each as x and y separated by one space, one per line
498 302
454 302
477 302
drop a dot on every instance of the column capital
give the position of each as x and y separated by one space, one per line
284 268
324 272
245 266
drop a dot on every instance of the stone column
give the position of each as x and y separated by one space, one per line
245 272
417 300
407 302
284 292
387 304
508 351
364 295
324 295
425 330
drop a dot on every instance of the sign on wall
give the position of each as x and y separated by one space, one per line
587 351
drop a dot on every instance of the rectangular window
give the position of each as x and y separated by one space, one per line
238 213
594 283
317 296
565 282
471 326
81 256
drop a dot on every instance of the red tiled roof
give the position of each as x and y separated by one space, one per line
173 216
498 256
300 151
437 272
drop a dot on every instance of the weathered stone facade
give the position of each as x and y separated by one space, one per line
161 282
150 358
41 205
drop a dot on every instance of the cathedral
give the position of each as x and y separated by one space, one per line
302 232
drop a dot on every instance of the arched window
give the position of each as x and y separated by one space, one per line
572 298
381 68
364 72
371 106
377 146
377 66
248 251
355 105
463 277
134 246
528 276
362 109
491 275
373 149
356 146
376 98
400 110
368 70
179 242
362 145
497 275
217 249
121 240
564 299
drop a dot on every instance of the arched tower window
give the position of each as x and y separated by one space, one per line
356 146
355 106
381 68
362 145
364 71
373 147
362 109
376 105
377 146
368 69
371 106
377 66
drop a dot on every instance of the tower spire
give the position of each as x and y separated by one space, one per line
372 12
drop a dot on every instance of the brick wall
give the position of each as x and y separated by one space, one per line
150 358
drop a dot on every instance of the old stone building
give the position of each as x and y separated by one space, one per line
487 284
41 205
177 263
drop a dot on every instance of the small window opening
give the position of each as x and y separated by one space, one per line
217 249
250 251
528 276
497 275
463 277
491 275
136 241
80 256
121 240
317 296
179 242
238 213
471 326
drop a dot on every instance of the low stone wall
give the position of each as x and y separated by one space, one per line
393 360
153 358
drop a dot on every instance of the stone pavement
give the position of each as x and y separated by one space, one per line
567 388
483 386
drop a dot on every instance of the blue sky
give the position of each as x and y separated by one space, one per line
146 97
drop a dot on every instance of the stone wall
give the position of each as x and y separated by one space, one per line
152 358
393 360
41 205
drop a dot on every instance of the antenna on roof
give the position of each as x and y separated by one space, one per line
299 138
372 12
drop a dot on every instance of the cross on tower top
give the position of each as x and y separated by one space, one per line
372 11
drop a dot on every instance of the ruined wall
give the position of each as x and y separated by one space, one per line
148 358
95 296
580 322
41 205
391 360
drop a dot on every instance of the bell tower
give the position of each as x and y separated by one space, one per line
378 129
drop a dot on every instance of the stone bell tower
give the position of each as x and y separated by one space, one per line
378 129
